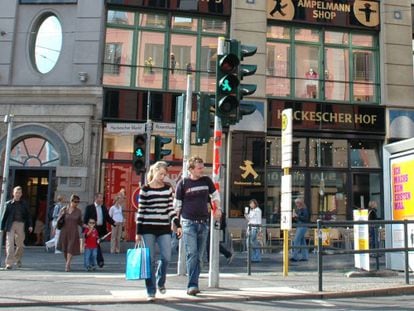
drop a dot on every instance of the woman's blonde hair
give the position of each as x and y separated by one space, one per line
155 168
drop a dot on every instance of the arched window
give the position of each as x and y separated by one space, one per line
34 152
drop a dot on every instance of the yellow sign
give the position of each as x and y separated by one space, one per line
402 182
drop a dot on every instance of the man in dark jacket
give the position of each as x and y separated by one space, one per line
98 212
16 217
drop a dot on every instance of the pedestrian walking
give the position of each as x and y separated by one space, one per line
56 211
300 216
222 248
91 237
156 219
69 240
98 212
15 220
116 213
254 217
191 203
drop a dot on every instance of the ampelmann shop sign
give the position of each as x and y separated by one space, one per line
341 13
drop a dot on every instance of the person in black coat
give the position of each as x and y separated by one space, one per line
15 220
98 212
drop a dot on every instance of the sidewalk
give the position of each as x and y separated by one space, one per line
42 281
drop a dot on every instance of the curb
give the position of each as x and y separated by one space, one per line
208 297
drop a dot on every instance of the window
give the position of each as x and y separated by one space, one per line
117 58
34 152
322 64
364 154
142 52
113 53
47 43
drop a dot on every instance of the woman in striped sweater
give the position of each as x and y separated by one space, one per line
156 219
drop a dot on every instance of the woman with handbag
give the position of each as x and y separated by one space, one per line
69 242
156 220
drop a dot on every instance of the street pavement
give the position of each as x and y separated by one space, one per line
42 281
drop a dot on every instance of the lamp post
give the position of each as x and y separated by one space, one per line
8 119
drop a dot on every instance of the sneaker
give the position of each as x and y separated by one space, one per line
8 267
162 289
193 291
230 259
19 264
151 298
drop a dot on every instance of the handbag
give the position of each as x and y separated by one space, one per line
61 221
138 263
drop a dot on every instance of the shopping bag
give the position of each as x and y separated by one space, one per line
138 263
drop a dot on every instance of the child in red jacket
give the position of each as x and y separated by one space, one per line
91 245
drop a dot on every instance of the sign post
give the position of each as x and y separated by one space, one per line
286 202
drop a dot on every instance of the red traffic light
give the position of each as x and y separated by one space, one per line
228 63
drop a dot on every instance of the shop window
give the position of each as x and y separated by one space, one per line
182 60
117 58
184 23
208 64
336 74
328 153
277 69
151 60
136 53
120 17
153 20
363 66
214 25
329 197
307 71
278 32
46 43
364 154
315 75
112 59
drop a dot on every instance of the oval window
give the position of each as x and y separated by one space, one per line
47 44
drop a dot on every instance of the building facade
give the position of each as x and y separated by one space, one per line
113 69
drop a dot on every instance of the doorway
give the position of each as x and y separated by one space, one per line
366 187
38 186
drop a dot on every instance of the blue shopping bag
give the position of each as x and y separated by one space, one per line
138 263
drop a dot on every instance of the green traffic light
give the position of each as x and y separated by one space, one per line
139 152
225 86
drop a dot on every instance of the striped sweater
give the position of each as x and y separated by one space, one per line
156 211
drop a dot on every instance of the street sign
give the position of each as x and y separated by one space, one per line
287 118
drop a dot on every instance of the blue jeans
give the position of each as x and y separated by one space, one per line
252 240
300 253
195 239
89 257
158 270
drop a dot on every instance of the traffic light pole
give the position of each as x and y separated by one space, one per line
7 119
181 269
213 279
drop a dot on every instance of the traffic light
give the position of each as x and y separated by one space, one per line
246 109
243 71
226 85
138 158
205 115
230 72
160 141
179 119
